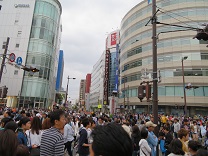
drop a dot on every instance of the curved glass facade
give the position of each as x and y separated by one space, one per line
136 52
41 53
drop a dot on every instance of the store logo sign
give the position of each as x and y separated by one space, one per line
22 5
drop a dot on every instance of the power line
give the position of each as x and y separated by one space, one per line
177 15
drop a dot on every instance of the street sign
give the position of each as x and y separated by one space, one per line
19 61
12 57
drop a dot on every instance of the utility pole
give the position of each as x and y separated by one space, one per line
4 58
154 57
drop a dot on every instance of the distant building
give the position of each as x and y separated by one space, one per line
97 79
82 93
136 56
87 91
34 29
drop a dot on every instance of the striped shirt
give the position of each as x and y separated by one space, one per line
52 143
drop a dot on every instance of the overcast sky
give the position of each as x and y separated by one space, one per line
86 24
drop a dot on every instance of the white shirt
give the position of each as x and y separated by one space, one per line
68 133
34 139
145 150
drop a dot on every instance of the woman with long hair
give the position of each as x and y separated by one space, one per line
175 148
34 135
8 143
135 137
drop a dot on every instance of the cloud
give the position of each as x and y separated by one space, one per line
86 24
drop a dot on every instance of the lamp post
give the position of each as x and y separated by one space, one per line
67 87
184 89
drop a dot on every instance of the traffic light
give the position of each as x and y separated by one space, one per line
141 92
5 91
148 91
34 69
201 35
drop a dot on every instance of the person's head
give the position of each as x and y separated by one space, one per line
175 147
7 114
183 134
144 133
166 129
24 123
22 150
135 129
57 118
23 113
8 143
36 125
150 126
85 122
175 120
185 121
4 121
161 135
44 115
11 125
193 146
202 152
110 140
100 120
92 123
46 124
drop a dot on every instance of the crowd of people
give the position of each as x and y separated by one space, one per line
37 132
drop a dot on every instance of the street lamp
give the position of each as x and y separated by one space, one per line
184 89
68 86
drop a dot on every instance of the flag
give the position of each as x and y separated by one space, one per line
149 1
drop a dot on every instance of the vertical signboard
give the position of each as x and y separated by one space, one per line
115 90
113 38
106 78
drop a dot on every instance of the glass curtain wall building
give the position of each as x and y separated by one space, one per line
37 90
136 55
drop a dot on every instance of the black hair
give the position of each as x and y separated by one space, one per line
202 152
175 147
22 150
194 145
85 122
144 133
55 115
4 121
161 134
36 125
22 112
11 125
8 143
111 140
9 113
166 128
23 121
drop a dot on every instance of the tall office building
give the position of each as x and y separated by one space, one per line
82 93
173 48
60 70
34 30
87 91
97 79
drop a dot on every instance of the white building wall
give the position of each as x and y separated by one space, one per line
96 89
16 19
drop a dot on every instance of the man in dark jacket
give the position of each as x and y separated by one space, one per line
83 147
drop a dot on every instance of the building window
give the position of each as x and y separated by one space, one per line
17 46
15 72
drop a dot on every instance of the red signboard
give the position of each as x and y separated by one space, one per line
113 39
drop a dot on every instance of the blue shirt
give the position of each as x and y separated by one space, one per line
152 141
